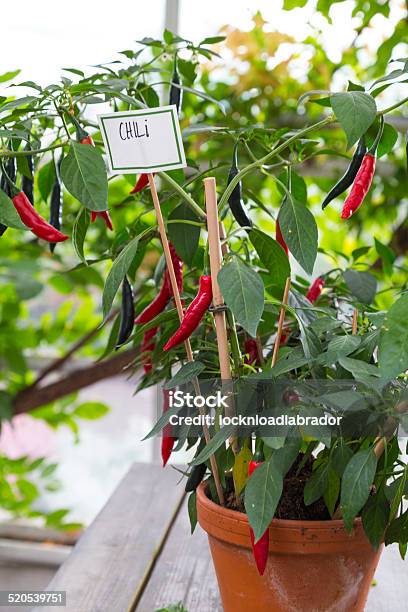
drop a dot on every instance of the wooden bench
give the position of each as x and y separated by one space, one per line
138 554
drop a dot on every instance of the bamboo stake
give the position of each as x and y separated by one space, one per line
215 254
179 306
215 265
281 322
354 322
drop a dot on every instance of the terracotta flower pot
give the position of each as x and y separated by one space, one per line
313 566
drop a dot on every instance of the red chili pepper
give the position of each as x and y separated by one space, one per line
104 215
251 350
280 239
260 549
364 178
160 301
193 314
142 182
361 186
82 135
31 219
148 345
87 140
167 438
315 289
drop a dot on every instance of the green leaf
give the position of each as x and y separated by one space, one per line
299 231
273 257
79 230
387 256
393 346
388 140
288 5
331 494
398 530
262 495
243 292
240 469
192 510
340 346
340 458
186 373
8 76
117 273
316 485
8 214
356 484
295 359
46 177
362 285
212 40
283 458
84 174
185 237
12 104
168 37
91 410
215 443
355 111
375 517
359 369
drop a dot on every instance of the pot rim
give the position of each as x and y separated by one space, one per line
283 523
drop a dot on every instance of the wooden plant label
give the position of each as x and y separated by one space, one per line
143 141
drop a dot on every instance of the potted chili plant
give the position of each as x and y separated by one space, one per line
301 479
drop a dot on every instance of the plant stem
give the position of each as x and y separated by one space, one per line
263 160
393 107
235 350
25 153
186 196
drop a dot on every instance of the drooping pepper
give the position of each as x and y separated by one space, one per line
235 201
315 289
127 313
56 203
195 477
27 184
31 218
349 175
82 136
251 351
260 548
160 301
193 314
363 180
141 183
167 438
104 215
280 239
3 187
176 92
11 169
147 347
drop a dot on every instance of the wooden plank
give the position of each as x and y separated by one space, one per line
183 573
112 559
